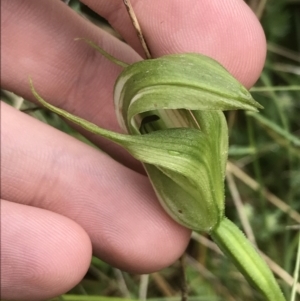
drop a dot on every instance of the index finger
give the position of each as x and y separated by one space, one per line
227 31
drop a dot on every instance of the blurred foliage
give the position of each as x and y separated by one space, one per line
270 160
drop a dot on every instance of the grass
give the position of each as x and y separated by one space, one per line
263 184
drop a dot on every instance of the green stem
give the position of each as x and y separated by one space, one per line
296 273
236 246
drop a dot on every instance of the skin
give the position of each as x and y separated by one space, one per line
63 200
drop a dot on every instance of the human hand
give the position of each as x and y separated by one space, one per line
61 198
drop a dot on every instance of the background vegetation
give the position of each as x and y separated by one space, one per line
263 182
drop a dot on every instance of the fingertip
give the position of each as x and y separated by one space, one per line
142 240
43 254
250 46
158 250
227 31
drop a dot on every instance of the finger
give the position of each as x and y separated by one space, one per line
38 41
116 206
227 31
43 254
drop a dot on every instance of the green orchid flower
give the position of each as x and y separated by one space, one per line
171 108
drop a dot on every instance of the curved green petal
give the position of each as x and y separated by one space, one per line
180 81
